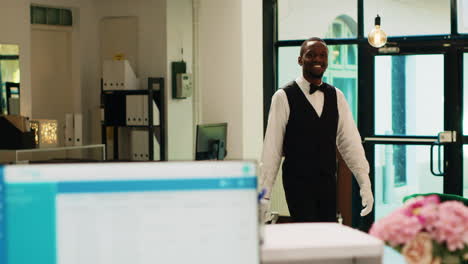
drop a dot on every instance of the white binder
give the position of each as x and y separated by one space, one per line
78 129
69 130
119 75
156 120
133 109
139 150
139 145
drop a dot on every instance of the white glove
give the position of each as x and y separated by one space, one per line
367 199
265 210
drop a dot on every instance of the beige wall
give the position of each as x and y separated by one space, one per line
181 120
51 75
220 72
252 78
230 72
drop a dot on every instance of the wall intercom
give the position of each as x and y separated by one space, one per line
184 85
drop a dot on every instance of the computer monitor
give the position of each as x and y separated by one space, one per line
173 212
211 141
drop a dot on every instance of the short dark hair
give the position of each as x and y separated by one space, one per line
304 44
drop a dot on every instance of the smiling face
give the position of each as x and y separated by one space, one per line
314 60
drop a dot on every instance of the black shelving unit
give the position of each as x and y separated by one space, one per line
114 104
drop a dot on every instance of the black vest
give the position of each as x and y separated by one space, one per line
310 141
309 147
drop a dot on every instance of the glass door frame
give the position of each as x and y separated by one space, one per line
451 45
453 109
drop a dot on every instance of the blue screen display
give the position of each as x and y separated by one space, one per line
40 205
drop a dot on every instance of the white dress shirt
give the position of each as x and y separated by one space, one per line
348 139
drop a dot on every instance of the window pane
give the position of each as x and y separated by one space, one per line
38 15
9 49
462 16
65 17
342 73
352 50
9 72
288 68
465 93
400 82
336 55
348 87
51 16
401 170
465 171
406 18
302 19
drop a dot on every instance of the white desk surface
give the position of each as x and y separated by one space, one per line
12 155
53 148
313 241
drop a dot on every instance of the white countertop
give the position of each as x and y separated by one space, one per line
314 241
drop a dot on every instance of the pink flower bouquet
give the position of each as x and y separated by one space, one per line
426 230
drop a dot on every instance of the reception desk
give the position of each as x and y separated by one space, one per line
323 243
15 156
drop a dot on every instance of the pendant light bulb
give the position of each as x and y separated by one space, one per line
377 37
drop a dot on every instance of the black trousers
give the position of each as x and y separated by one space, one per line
311 197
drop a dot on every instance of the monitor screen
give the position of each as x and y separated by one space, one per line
211 142
173 212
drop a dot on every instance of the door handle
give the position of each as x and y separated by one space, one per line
444 137
440 163
447 137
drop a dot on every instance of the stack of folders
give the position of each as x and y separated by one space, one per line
119 75
137 111
139 145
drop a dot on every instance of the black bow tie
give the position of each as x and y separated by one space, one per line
314 88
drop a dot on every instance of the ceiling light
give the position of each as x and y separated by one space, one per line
377 37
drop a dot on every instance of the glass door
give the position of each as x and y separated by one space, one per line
465 121
409 154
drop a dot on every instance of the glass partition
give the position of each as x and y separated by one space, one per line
465 123
407 17
462 8
9 79
401 170
302 19
465 93
288 67
409 95
342 72
465 171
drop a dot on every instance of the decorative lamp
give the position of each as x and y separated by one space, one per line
45 132
377 37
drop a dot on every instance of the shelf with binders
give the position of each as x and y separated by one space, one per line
133 120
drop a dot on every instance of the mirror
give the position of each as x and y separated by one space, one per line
9 79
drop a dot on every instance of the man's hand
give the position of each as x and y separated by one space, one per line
367 199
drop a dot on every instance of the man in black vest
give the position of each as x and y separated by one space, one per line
308 120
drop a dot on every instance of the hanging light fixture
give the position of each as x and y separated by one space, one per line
377 37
